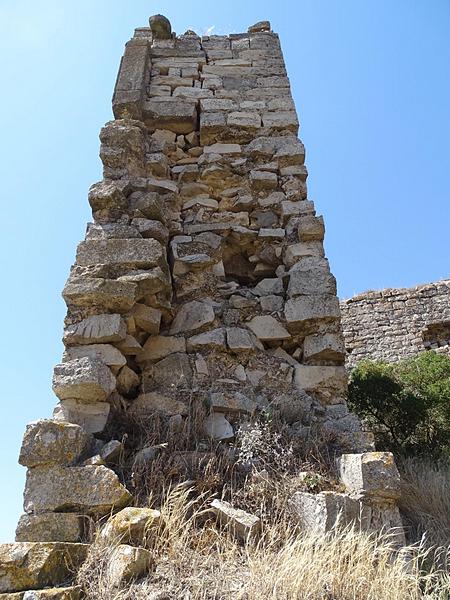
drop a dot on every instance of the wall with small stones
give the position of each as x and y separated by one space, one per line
395 324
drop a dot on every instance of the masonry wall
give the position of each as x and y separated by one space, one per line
394 324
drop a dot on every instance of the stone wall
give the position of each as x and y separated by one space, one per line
394 324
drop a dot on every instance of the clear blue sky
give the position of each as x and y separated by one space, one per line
372 85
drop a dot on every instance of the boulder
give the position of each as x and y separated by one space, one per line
127 563
91 417
130 526
192 316
241 524
50 527
53 442
93 490
97 329
26 565
267 328
85 379
372 474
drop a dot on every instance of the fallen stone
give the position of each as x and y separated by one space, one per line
267 328
93 490
50 527
372 474
53 442
84 379
241 524
239 340
127 563
111 452
217 427
37 565
231 402
97 329
214 339
172 372
325 511
131 525
192 316
91 417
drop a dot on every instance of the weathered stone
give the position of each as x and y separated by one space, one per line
217 427
372 474
97 329
173 371
134 253
311 229
309 276
105 353
111 452
160 27
50 527
239 340
131 525
325 511
84 379
126 563
130 346
317 378
268 286
36 565
58 593
127 381
259 26
327 346
149 403
53 442
91 490
222 148
305 311
231 402
192 316
210 339
147 318
150 228
267 328
294 252
91 417
241 524
159 346
263 180
108 294
175 115
107 195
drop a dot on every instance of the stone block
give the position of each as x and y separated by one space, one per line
127 563
320 378
107 195
222 149
131 525
191 317
240 340
26 565
217 427
106 353
248 121
213 339
108 294
131 80
127 381
50 527
159 346
134 253
179 116
267 328
57 593
231 402
53 442
84 379
173 372
294 252
93 490
212 124
324 347
241 524
91 417
147 318
281 120
155 402
311 228
326 511
306 312
310 276
263 180
96 329
372 474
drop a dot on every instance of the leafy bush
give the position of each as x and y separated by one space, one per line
406 404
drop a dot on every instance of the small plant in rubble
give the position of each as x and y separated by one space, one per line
258 445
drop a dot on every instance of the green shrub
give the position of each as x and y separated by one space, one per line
406 404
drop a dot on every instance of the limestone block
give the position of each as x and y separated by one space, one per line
160 27
246 120
281 120
160 346
239 340
326 346
126 563
217 427
131 525
271 303
154 402
217 104
105 353
96 329
130 346
107 195
122 149
106 293
177 115
212 124
173 371
294 252
213 339
373 474
93 490
58 593
385 517
306 311
36 565
158 165
50 527
91 417
267 287
192 316
131 80
84 379
111 452
147 318
53 442
267 328
192 93
231 402
296 208
105 231
263 180
151 228
311 228
135 253
148 282
241 524
127 381
325 511
309 276
222 149
271 234
319 378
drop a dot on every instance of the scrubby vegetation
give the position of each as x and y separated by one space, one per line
406 404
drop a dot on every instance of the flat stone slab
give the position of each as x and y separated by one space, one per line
242 524
136 253
28 565
58 593
97 329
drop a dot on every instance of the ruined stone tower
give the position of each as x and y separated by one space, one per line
201 292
